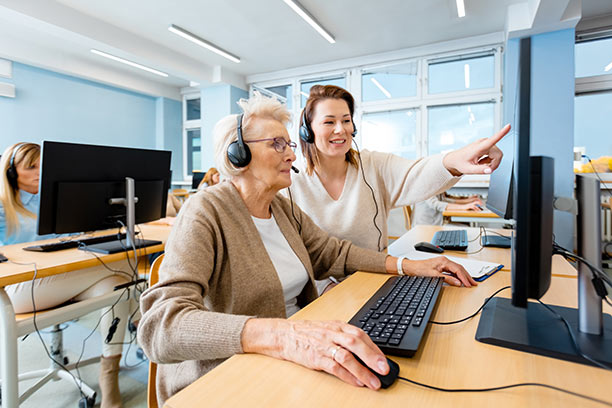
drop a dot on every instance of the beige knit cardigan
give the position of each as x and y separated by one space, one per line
217 274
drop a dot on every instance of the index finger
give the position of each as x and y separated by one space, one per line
461 273
492 141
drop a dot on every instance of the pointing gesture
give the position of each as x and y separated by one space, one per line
479 157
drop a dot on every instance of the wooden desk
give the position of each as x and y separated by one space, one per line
449 357
502 256
48 264
474 217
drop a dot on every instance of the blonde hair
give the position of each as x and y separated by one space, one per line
28 154
319 93
225 132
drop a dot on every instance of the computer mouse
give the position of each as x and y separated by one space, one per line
385 380
428 247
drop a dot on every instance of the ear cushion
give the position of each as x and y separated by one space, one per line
305 133
239 155
11 175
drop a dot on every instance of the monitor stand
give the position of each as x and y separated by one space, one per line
112 247
537 330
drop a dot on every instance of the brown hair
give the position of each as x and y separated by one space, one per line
317 94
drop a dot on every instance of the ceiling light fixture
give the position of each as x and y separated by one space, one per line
302 12
460 8
130 63
608 67
202 42
379 86
466 72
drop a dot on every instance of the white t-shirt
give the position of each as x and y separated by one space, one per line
291 272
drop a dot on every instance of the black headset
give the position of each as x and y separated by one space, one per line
238 153
306 133
11 172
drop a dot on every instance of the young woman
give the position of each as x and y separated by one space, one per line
348 193
19 203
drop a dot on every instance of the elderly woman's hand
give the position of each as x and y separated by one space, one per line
318 345
479 157
442 267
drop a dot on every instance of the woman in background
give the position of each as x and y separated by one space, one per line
19 203
210 178
431 211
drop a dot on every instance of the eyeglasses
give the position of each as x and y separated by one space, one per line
279 145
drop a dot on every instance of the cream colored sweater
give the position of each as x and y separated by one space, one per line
216 274
396 182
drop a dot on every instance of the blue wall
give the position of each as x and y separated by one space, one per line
52 106
552 111
217 102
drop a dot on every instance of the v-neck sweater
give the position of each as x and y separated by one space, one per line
395 182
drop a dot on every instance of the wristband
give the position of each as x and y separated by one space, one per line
400 269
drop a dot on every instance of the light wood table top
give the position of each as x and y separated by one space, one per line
53 263
606 205
467 213
449 357
503 256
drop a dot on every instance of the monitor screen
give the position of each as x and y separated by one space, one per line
196 179
77 181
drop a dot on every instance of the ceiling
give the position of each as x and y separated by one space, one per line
266 34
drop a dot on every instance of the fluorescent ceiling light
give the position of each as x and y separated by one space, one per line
608 67
130 63
302 12
382 89
202 42
460 8
466 72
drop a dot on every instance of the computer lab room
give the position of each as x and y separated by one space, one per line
305 203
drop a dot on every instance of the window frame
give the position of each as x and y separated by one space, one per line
190 125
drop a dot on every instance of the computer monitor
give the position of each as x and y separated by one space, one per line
196 179
518 323
78 182
499 196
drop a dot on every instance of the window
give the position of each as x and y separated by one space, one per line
593 101
283 93
193 109
192 140
593 58
395 81
305 86
393 132
451 127
461 74
194 151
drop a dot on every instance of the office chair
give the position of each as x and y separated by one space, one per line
151 387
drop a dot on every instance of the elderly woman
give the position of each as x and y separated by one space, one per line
241 259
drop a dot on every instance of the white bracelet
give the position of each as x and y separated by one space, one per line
400 269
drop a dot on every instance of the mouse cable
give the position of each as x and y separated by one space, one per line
475 313
505 387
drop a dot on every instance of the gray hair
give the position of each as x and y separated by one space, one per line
226 129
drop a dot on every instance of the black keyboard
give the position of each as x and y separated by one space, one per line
74 243
396 316
451 239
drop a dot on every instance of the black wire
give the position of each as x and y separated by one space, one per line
373 198
292 213
475 313
571 333
607 301
61 365
505 387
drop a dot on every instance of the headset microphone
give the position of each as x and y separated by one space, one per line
295 169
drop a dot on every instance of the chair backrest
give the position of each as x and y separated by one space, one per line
151 388
408 217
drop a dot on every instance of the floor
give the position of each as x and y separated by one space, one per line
132 377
